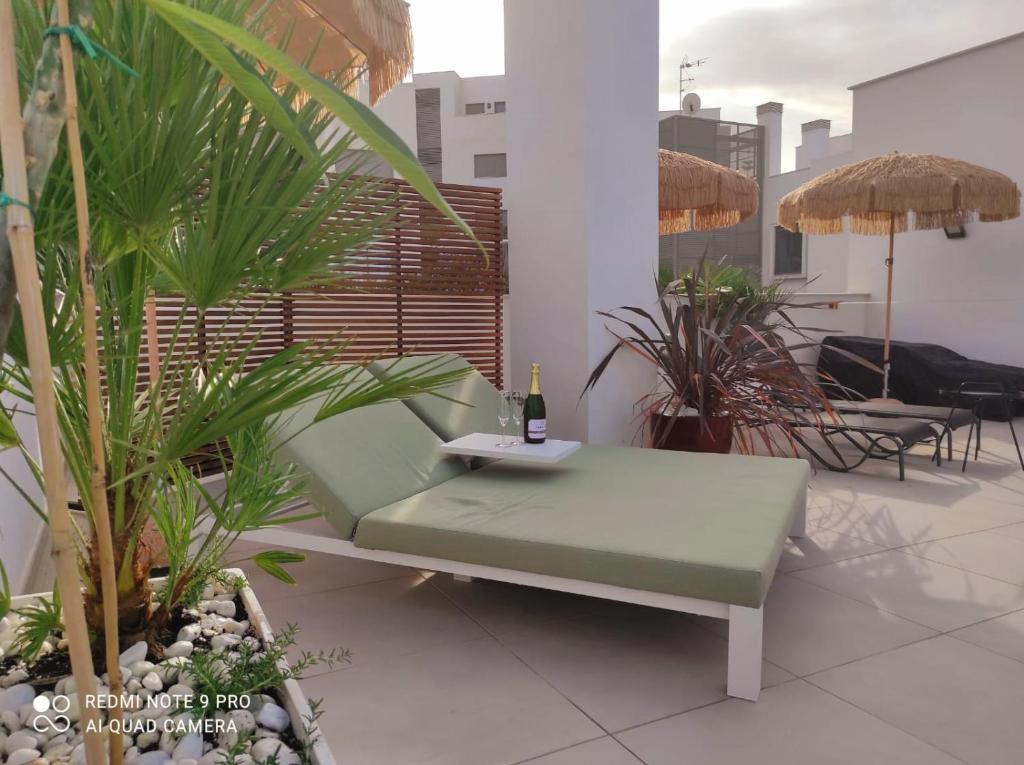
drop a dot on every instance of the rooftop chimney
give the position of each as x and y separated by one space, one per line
769 116
814 143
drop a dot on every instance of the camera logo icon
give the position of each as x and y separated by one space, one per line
50 714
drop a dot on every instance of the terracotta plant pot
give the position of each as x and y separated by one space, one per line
689 434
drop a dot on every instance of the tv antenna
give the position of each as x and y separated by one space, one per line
686 79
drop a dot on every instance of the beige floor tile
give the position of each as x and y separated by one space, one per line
604 751
996 555
821 547
960 698
1015 530
624 672
1004 634
319 572
472 703
374 621
793 724
902 521
500 607
807 629
938 596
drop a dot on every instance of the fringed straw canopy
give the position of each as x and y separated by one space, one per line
375 35
924 191
695 194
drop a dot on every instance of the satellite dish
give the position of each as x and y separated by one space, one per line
691 103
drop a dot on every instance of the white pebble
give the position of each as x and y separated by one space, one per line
156 757
15 697
188 762
222 642
23 756
189 748
59 751
21 740
14 678
266 748
235 628
273 717
142 668
180 692
170 669
147 738
10 720
153 682
189 632
179 648
136 653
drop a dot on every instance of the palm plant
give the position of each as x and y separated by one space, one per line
719 358
212 193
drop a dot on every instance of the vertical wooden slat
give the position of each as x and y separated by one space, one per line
423 287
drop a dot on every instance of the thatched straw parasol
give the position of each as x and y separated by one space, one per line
353 34
888 194
697 195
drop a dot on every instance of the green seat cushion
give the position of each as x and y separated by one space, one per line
705 526
363 459
475 409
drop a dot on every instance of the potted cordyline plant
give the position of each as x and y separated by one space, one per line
205 183
726 374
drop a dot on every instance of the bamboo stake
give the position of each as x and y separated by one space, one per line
152 342
94 406
21 235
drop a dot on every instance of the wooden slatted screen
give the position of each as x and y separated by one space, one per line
424 287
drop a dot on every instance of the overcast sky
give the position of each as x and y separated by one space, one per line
803 53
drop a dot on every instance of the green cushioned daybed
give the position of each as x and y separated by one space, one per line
688 532
699 525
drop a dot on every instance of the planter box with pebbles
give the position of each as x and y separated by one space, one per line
39 712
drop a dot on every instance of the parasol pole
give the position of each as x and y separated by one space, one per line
886 361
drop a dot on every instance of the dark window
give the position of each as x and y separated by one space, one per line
499 106
489 165
789 252
477 108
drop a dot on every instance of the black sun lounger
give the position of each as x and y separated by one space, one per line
873 437
946 418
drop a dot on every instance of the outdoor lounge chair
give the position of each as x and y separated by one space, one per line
947 418
871 437
695 533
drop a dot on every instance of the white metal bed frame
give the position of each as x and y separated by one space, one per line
745 624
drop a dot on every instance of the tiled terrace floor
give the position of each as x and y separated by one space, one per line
894 634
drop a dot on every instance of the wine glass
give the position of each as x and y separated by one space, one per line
517 399
504 412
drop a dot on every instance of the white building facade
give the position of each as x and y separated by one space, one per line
966 294
456 125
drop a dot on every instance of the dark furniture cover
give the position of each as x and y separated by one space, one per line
919 371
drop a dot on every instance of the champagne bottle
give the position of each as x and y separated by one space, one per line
534 413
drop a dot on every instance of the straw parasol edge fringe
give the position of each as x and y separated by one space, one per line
919 191
696 194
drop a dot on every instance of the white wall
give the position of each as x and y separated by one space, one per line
964 294
20 527
825 257
462 135
582 198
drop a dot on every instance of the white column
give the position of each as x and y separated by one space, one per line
582 196
769 116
